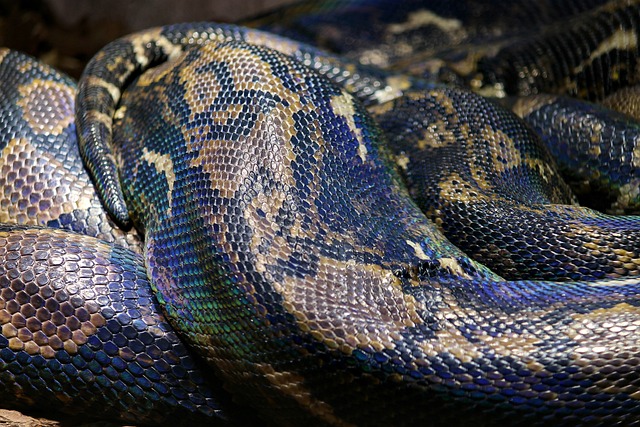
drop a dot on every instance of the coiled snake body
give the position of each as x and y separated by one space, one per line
281 244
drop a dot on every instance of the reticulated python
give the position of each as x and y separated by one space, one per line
280 241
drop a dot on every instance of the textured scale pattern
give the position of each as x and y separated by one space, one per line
603 161
441 139
43 182
324 242
80 324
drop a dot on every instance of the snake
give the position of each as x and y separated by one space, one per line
223 225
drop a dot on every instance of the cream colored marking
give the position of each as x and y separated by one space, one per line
417 248
170 49
438 134
596 136
396 85
504 153
293 386
113 90
466 65
512 344
635 158
270 204
614 282
346 295
103 118
46 105
423 17
158 73
120 112
629 193
27 66
200 93
492 91
343 106
114 66
163 164
453 266
403 161
529 104
380 109
140 41
545 170
376 57
450 340
625 100
285 46
427 66
605 331
461 190
3 53
621 39
270 137
70 193
351 298
445 101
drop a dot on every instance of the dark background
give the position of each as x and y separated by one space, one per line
66 33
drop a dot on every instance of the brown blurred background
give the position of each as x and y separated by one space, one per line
66 33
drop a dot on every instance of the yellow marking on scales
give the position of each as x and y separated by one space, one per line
346 296
294 386
621 39
269 136
62 191
450 264
417 248
592 332
403 161
120 113
628 194
635 157
3 53
163 164
453 266
47 106
140 41
102 118
439 134
504 153
394 88
282 45
451 341
421 18
113 90
530 104
343 106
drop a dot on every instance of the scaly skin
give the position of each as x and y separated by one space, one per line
282 246
324 299
82 332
